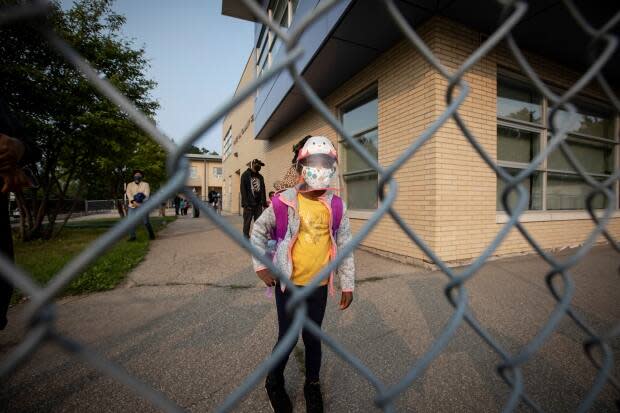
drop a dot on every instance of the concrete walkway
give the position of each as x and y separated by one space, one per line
192 320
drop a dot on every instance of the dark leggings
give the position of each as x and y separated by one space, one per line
316 310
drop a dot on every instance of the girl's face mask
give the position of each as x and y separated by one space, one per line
317 177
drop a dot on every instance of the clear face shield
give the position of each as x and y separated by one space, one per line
319 172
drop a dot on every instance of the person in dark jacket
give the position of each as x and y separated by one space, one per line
253 195
16 152
177 204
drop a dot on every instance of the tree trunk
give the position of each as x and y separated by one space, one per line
120 208
64 222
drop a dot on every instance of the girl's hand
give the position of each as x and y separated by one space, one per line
266 276
345 299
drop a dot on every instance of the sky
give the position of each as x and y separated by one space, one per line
196 55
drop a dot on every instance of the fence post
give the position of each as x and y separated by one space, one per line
85 207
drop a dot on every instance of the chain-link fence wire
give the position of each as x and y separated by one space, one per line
40 310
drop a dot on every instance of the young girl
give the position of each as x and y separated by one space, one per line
316 226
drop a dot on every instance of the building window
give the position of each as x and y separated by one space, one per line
522 132
360 119
193 172
268 45
227 144
217 171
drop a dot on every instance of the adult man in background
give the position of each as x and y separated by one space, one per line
253 196
137 192
177 204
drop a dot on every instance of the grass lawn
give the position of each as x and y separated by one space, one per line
43 259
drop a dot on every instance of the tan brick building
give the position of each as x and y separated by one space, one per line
205 174
238 144
446 192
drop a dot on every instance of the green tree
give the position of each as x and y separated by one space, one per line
195 150
88 145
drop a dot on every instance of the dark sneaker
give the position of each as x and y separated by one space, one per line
314 398
280 402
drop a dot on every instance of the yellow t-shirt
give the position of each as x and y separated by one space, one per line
312 248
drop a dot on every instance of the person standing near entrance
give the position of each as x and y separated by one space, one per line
253 195
138 191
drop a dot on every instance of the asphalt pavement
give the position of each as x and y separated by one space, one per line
193 321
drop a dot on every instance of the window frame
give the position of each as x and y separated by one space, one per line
365 95
227 144
266 46
544 130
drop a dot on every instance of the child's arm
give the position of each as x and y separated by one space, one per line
261 232
346 269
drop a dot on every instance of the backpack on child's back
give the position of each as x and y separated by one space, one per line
280 210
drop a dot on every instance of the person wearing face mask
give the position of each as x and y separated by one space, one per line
137 193
253 195
309 224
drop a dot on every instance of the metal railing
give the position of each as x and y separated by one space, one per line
40 310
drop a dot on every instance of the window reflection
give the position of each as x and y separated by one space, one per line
360 119
517 101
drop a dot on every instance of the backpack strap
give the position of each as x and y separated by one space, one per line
337 211
280 210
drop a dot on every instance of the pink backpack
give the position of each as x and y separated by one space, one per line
280 209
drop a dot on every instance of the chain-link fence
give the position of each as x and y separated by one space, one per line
40 310
101 206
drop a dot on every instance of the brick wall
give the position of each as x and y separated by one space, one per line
405 87
446 193
466 217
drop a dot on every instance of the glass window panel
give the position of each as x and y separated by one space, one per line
283 18
263 59
566 191
589 122
353 162
279 10
261 47
361 117
362 190
518 101
361 187
533 186
516 145
595 157
261 37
